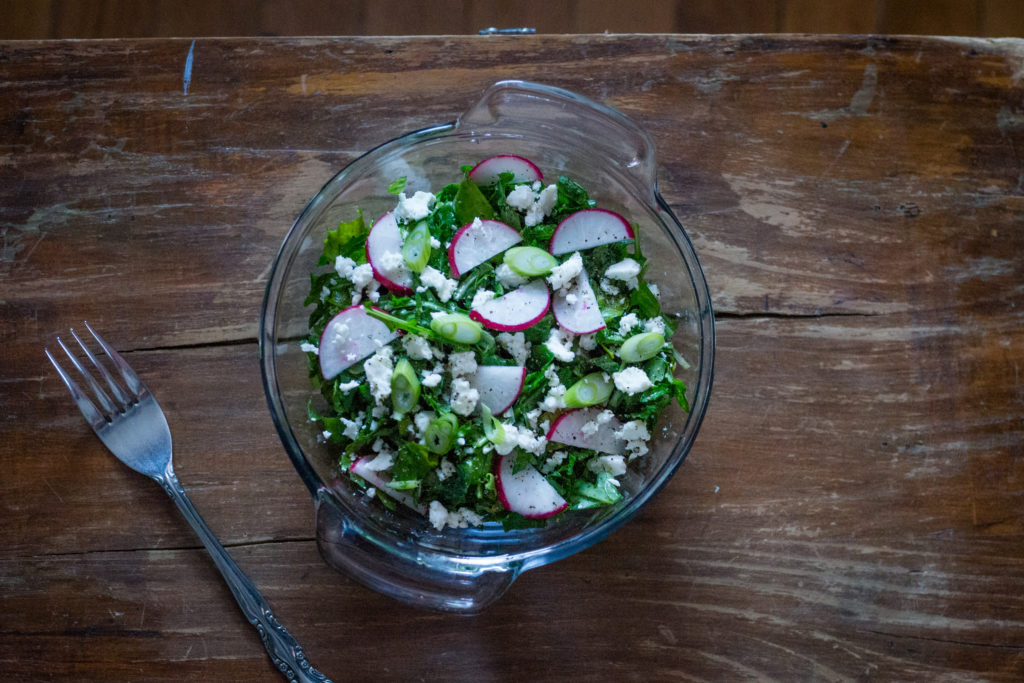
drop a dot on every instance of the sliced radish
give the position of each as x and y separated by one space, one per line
527 491
499 385
488 170
587 229
384 246
583 315
478 241
516 310
381 480
349 337
568 430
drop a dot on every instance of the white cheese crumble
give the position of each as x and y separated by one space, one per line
552 463
382 462
413 208
521 437
379 369
521 197
627 323
445 469
464 397
655 325
440 517
558 344
588 342
562 275
422 420
591 427
463 363
306 347
508 278
542 206
432 277
636 436
608 288
348 386
430 379
631 380
417 347
481 297
516 345
352 426
625 270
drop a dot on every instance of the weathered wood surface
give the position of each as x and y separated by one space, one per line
853 508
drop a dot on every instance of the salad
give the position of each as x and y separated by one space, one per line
491 352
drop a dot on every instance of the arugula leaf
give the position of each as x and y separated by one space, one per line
643 298
471 203
348 240
679 389
397 186
413 462
571 198
604 492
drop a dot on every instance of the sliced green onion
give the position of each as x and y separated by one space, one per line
416 247
405 387
440 434
493 429
589 391
529 261
641 346
456 327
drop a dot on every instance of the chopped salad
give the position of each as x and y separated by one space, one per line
491 352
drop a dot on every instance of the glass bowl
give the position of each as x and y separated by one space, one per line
399 553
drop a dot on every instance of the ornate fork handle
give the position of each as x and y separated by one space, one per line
284 650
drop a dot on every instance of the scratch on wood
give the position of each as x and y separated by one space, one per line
187 76
860 101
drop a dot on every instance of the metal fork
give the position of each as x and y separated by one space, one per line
129 422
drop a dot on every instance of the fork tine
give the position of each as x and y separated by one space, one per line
131 379
88 408
115 389
106 404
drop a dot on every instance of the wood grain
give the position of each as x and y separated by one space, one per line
851 510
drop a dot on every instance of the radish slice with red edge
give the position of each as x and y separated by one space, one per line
499 385
349 337
583 315
568 430
385 239
517 310
487 171
380 481
587 229
526 491
478 241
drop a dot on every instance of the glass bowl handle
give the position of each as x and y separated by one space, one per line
533 109
426 582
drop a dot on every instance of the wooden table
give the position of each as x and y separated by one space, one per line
853 507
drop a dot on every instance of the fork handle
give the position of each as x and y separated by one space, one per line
286 653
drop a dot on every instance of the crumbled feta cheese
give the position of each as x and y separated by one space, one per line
631 380
463 363
558 344
516 345
521 197
379 369
591 427
306 347
348 386
481 297
536 186
464 397
422 420
435 243
382 462
552 463
532 417
554 400
571 298
588 342
625 270
563 275
416 347
352 426
542 206
413 208
371 492
636 436
627 323
325 435
521 437
391 261
655 325
432 277
344 266
508 278
445 469
614 465
430 379
438 514
608 288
